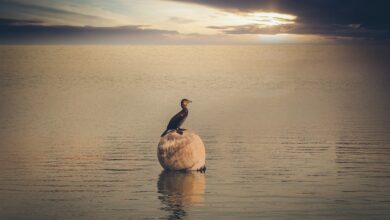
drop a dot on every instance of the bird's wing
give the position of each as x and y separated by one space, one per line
175 121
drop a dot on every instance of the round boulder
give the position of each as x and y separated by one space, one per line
181 152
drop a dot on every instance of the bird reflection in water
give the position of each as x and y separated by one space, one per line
180 191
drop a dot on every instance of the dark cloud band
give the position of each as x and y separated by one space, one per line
26 31
353 18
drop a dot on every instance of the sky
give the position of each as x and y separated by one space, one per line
193 21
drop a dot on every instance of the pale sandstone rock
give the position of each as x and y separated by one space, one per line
181 152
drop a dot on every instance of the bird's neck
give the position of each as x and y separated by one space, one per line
184 109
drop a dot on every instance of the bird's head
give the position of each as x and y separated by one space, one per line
184 103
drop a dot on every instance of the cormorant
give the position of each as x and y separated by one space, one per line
177 120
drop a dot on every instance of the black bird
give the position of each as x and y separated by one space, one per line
177 120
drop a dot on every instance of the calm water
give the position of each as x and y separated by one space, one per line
291 132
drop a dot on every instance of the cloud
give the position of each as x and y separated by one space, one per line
59 12
332 31
181 20
13 31
254 29
34 8
25 31
8 21
353 18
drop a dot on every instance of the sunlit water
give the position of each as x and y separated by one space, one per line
291 132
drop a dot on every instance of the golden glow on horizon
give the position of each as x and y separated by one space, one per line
270 18
260 18
291 38
197 19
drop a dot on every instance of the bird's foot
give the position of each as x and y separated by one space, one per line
202 169
180 130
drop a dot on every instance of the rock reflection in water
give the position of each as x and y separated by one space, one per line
179 191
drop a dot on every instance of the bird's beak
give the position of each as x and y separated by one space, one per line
189 101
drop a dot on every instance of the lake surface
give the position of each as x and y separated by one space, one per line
291 132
